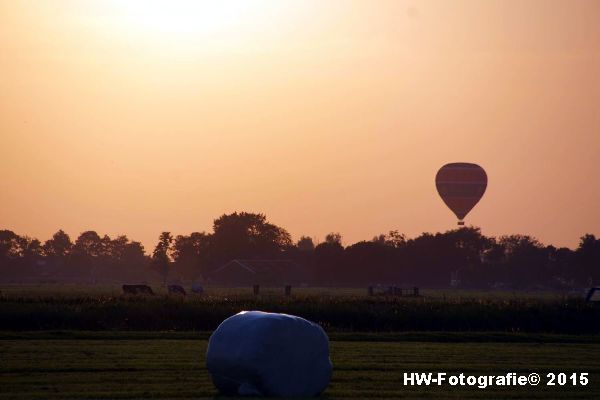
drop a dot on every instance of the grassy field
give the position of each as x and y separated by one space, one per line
42 365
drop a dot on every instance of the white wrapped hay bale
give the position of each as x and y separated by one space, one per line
266 354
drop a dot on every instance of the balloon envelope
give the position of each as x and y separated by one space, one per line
461 186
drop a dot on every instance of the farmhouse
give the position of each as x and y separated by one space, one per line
262 272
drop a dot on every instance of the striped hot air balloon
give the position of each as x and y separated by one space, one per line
461 186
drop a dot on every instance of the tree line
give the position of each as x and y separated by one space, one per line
462 257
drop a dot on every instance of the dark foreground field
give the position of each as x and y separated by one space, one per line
42 365
71 342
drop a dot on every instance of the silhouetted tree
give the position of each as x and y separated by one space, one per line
132 255
9 246
122 259
57 251
160 255
328 259
393 239
371 262
59 247
31 253
88 244
565 265
525 260
588 258
86 256
191 254
333 238
246 235
433 259
305 244
10 254
515 261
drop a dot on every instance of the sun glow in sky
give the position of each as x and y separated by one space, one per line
138 116
190 17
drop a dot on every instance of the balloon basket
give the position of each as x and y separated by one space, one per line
461 223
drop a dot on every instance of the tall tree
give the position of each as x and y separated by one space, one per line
328 259
588 257
306 244
191 254
333 238
59 246
526 260
392 239
247 235
31 250
122 259
87 255
9 246
161 257
57 251
88 244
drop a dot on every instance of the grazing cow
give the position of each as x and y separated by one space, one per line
176 289
137 289
196 288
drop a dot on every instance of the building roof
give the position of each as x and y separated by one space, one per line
265 266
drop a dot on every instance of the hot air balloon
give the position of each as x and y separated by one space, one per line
461 186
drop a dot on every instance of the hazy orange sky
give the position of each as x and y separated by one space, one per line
133 117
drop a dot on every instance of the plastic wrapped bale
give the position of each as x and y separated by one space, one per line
264 354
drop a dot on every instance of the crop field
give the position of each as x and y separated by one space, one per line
86 365
28 308
81 290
